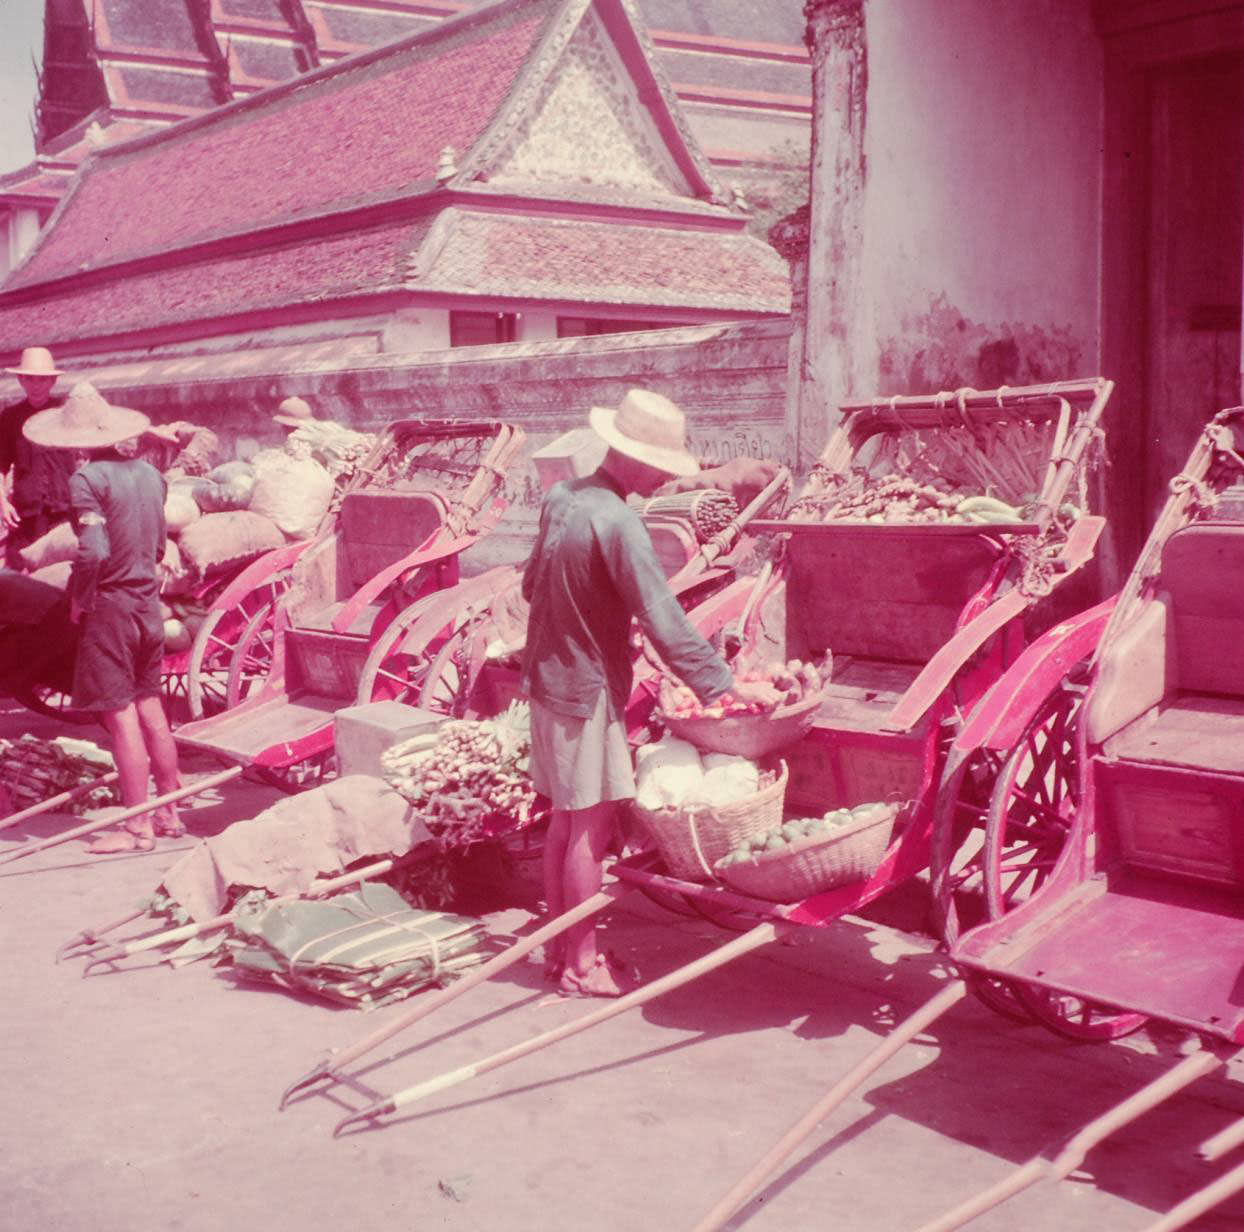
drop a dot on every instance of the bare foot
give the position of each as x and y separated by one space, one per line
602 979
167 823
113 842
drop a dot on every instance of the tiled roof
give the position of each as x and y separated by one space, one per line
365 129
573 259
341 266
463 256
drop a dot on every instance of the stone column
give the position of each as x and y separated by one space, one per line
789 235
836 38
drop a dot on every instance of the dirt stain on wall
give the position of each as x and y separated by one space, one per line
942 349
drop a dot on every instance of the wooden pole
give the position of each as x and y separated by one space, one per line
1072 1155
65 797
762 934
89 827
1222 1142
1205 1199
333 1064
786 1146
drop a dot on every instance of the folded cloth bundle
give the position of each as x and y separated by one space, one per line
365 948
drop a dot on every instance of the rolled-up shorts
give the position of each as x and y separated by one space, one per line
578 763
120 647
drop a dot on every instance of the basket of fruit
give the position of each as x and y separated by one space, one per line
728 726
693 837
797 859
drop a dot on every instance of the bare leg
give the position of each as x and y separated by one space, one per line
555 842
158 738
590 831
133 771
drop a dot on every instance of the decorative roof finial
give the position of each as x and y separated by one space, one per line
447 167
738 199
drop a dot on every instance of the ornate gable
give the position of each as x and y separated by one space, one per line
587 127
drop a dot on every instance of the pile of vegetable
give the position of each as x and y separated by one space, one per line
182 616
672 773
709 510
897 499
469 779
32 770
790 833
794 681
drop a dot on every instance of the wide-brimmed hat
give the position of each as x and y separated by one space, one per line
294 412
85 421
649 428
35 361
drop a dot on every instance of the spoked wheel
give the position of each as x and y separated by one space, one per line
52 703
211 679
397 665
453 671
1034 804
958 862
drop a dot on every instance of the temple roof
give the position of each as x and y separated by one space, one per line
526 150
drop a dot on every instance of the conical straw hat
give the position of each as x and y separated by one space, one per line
85 421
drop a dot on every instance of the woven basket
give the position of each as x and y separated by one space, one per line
812 865
692 839
747 735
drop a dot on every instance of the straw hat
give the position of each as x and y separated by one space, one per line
294 412
35 361
649 428
85 421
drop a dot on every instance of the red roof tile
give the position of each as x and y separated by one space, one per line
354 132
360 263
546 258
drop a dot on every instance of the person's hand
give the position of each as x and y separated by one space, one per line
8 515
757 693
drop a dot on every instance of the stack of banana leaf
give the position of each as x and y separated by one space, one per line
366 948
32 770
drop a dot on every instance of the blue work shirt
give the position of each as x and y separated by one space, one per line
592 571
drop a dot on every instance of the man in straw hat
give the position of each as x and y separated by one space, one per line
117 507
40 477
592 571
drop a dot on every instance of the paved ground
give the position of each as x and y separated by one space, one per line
146 1099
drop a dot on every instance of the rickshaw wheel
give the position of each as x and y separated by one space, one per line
53 704
448 681
394 675
1033 804
251 659
218 640
1077 1019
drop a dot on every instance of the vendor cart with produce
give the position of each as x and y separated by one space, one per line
899 590
428 490
1110 884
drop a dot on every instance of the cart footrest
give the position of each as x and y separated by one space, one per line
1142 942
245 733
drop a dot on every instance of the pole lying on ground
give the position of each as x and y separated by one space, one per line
331 1066
65 797
1222 1142
184 932
90 937
1226 1186
89 827
1072 1155
762 934
907 1030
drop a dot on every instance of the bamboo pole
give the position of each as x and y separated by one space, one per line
65 797
1222 1142
762 934
1198 1203
1072 1155
89 827
184 932
330 1066
760 1172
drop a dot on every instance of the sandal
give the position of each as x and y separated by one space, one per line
605 979
165 827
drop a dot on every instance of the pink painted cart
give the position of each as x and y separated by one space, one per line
921 620
428 490
1109 890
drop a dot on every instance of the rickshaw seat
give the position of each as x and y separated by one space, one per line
378 528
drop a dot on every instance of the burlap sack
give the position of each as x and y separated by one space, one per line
60 543
294 492
55 575
220 539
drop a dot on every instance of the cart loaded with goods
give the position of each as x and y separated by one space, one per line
882 632
426 491
1108 892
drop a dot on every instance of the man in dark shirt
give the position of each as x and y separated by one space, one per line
592 571
40 477
117 504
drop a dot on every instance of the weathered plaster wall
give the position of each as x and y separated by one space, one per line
983 154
